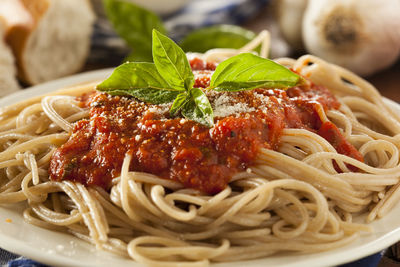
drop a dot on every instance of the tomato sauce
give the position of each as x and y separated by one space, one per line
183 150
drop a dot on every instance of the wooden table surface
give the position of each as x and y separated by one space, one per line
388 82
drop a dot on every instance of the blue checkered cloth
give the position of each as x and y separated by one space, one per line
197 14
12 260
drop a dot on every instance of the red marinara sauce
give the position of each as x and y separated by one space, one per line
183 150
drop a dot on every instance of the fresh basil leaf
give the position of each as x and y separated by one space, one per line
139 55
134 24
171 62
198 108
218 36
148 95
140 80
179 102
247 71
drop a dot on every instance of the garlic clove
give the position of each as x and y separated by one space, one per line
363 36
289 14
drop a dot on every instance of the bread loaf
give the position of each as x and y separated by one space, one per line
54 41
8 81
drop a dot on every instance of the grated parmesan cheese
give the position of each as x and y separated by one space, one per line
160 109
264 99
225 105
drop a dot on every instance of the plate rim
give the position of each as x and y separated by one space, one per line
17 246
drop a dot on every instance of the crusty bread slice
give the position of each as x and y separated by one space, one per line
57 41
8 80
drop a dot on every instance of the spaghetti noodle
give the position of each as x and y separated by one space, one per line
301 198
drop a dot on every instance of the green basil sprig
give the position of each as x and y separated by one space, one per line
171 62
247 71
170 79
140 80
194 105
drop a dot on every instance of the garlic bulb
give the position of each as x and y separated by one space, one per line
363 36
290 17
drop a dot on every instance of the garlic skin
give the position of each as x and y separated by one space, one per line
363 36
289 14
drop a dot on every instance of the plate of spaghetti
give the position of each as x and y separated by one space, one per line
223 158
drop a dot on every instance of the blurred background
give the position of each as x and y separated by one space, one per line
363 36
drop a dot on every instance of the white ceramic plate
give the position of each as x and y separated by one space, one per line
61 249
